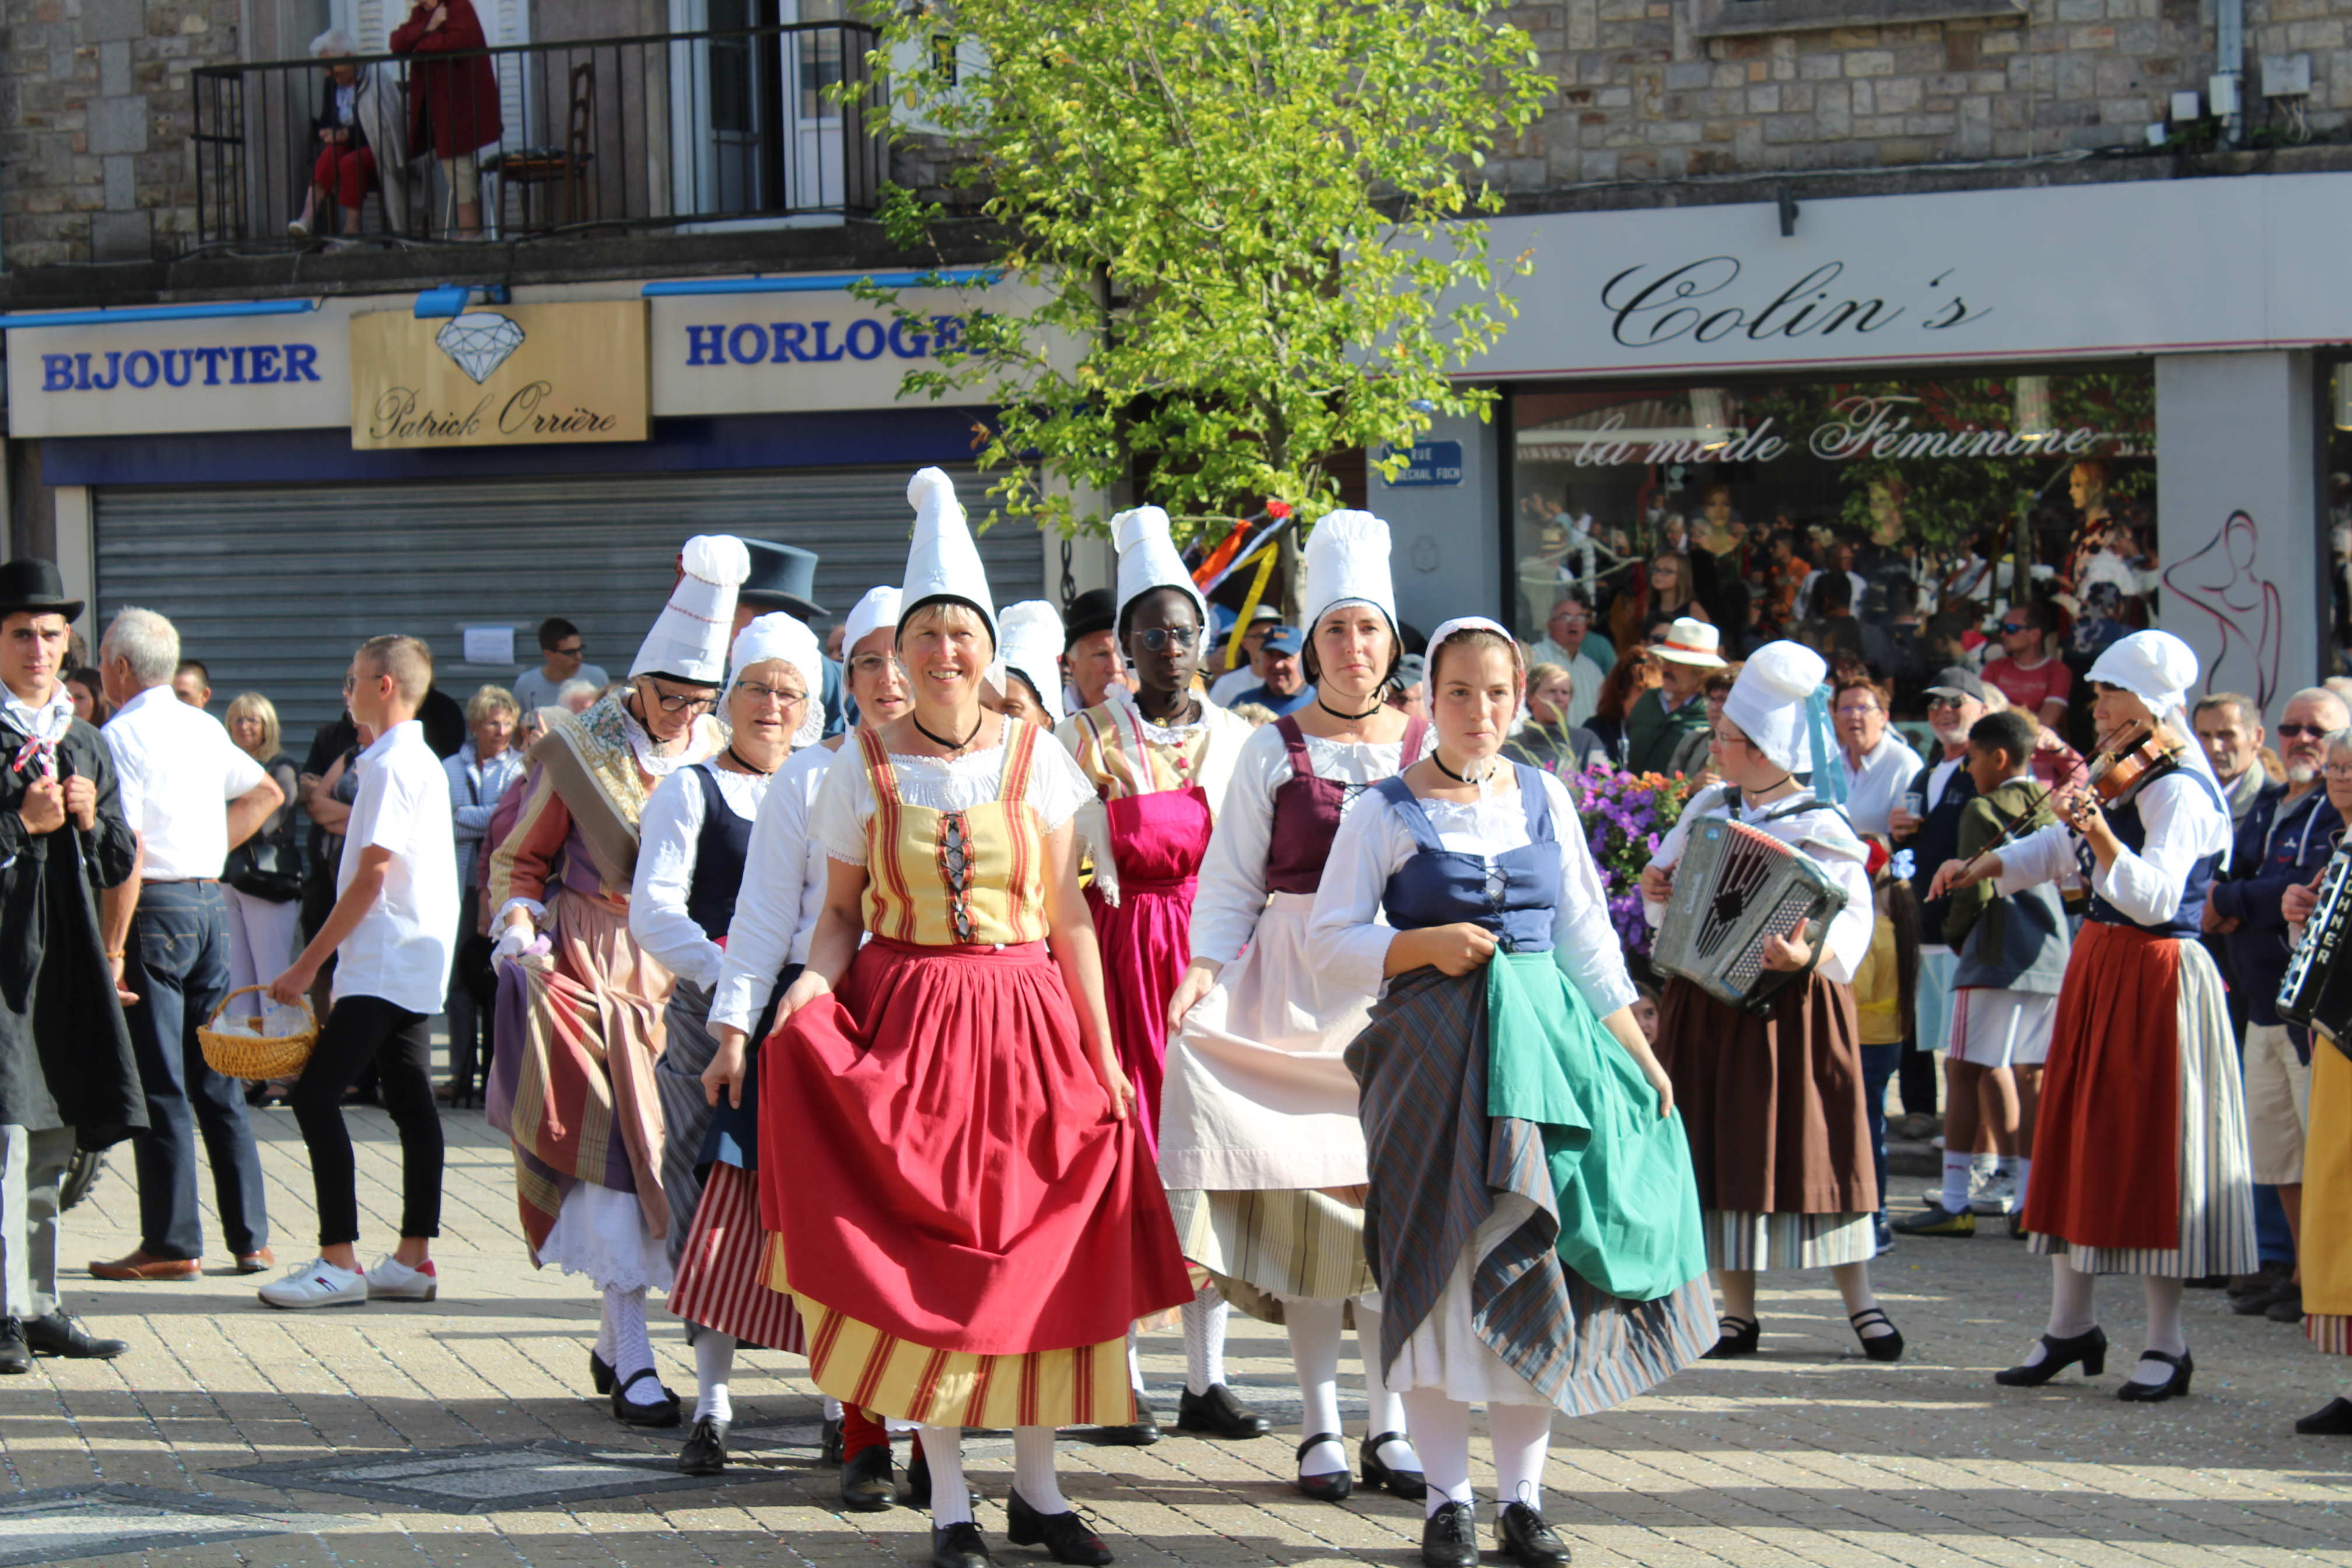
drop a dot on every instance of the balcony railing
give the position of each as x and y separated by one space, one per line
669 130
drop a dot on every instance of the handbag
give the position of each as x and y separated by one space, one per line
269 868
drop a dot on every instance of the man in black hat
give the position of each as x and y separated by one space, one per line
66 1077
784 576
1091 662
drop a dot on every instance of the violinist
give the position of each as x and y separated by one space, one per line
2140 1154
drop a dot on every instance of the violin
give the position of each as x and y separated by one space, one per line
2125 761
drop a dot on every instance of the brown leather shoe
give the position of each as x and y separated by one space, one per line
139 1266
255 1262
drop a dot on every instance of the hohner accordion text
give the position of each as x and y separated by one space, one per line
1736 886
2317 990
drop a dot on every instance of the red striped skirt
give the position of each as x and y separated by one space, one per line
722 1276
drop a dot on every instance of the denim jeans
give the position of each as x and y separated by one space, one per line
177 964
1878 1065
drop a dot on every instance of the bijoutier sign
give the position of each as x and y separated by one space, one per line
256 373
501 376
2132 267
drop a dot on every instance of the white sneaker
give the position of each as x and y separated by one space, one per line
1996 1194
392 1280
317 1283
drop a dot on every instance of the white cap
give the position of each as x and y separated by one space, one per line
780 636
2159 669
1148 560
943 562
1768 701
1032 646
1691 641
877 610
689 642
1347 561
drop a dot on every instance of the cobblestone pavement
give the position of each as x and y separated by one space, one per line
460 1431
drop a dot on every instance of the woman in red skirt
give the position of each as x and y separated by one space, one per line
971 1221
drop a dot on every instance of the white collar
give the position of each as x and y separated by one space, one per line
148 699
398 735
641 745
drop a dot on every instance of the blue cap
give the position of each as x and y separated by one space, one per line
1285 639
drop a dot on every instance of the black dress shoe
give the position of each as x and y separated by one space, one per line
705 1453
16 1355
2333 1421
600 1373
59 1334
1066 1536
959 1546
1734 1336
2057 1356
1142 1432
1527 1539
2183 1365
2257 1303
829 1447
865 1483
1217 1414
1887 1346
1449 1538
1410 1485
629 1413
919 1479
1333 1485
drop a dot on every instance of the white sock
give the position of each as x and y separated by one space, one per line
1385 1411
604 1328
1956 1181
714 1359
832 1408
2167 1330
1853 1283
1441 1428
631 1352
950 1498
2070 1306
1032 1471
1134 1362
1205 1339
1522 1439
1315 1355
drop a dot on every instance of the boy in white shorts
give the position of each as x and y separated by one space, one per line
2013 955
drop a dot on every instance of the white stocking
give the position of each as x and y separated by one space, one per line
1205 1339
2070 1305
1383 1411
1315 1355
604 1328
832 1408
1134 1362
1522 1437
950 1498
2167 1330
714 1360
631 1352
1032 1471
1440 1430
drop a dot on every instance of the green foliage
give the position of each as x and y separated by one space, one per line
1244 213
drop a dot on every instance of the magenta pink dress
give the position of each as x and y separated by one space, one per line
1157 841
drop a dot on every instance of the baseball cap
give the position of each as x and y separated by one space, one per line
1285 639
1955 682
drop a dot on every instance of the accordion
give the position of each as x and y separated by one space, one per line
2317 990
1737 886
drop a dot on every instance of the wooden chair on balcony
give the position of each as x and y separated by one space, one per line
569 165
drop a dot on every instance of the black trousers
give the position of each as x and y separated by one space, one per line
361 1031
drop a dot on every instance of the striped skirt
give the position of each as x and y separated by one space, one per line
687 1048
722 1270
2087 1177
1260 1247
1763 1242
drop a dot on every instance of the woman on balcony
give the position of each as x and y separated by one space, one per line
345 169
453 105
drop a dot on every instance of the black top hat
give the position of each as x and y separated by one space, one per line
29 583
1096 610
782 577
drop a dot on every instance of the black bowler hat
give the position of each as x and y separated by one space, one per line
1093 611
29 583
783 578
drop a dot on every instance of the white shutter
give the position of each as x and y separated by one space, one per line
369 22
508 22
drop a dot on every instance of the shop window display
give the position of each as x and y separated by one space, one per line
1904 524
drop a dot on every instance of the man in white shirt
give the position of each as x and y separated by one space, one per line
1878 766
392 933
561 652
1570 642
192 795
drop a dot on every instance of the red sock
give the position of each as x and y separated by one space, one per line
859 1432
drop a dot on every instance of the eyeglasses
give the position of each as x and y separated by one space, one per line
678 702
2011 628
1157 638
2339 771
1856 710
759 690
574 651
1934 704
1573 618
873 664
2300 732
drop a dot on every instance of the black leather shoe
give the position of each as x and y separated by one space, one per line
628 1413
1734 1336
1217 1414
16 1355
1066 1536
1527 1539
1887 1346
959 1546
1410 1485
2334 1420
2057 1356
1333 1485
829 1447
59 1334
865 1483
2183 1365
919 1479
1142 1432
1449 1538
705 1453
600 1373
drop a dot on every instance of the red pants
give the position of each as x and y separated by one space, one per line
345 173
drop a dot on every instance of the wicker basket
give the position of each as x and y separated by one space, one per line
256 1057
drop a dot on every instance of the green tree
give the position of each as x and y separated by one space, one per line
1252 221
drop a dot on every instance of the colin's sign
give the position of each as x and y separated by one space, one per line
501 376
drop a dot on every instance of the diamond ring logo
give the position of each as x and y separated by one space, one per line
479 342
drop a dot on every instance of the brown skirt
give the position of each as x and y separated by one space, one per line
1774 1104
